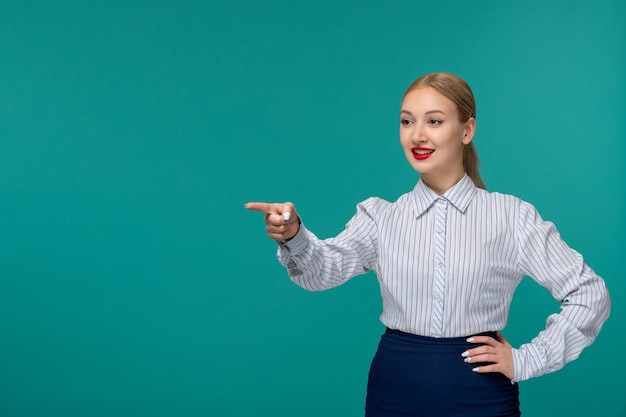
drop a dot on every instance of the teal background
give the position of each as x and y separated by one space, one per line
132 280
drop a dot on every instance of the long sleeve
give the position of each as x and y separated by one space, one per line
316 264
585 301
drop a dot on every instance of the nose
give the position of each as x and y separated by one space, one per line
417 135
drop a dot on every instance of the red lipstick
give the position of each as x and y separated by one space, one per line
422 153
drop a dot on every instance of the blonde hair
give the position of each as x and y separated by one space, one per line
455 89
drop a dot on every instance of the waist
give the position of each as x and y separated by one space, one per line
439 341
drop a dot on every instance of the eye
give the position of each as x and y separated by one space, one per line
406 122
435 122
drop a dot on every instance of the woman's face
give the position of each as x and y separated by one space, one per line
432 137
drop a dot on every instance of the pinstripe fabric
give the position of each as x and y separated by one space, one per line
448 267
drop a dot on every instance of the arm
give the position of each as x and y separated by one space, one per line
316 264
585 301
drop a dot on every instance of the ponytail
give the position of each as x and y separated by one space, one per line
470 164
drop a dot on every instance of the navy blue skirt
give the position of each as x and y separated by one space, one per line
420 376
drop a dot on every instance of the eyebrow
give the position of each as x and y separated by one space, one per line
428 112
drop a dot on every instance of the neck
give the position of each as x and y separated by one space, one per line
441 185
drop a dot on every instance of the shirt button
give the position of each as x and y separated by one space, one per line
440 264
437 335
439 231
439 299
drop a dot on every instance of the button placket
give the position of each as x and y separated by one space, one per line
441 208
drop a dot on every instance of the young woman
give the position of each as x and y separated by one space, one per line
448 256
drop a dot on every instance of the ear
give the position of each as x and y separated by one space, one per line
468 131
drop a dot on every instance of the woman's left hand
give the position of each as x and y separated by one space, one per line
498 352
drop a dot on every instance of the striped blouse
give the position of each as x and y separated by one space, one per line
448 267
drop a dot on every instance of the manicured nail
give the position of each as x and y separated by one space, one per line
470 339
467 359
465 354
286 216
475 369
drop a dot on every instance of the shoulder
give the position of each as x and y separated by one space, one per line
515 208
374 206
497 200
379 208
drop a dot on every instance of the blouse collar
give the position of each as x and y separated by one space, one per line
460 195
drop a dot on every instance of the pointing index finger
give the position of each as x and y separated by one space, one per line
262 207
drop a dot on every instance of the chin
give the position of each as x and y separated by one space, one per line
416 167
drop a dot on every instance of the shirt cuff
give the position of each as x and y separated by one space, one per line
528 362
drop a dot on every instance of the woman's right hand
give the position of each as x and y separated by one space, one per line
281 219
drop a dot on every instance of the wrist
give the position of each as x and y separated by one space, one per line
296 226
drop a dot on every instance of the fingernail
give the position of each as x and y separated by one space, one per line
464 354
470 339
467 359
286 216
475 369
